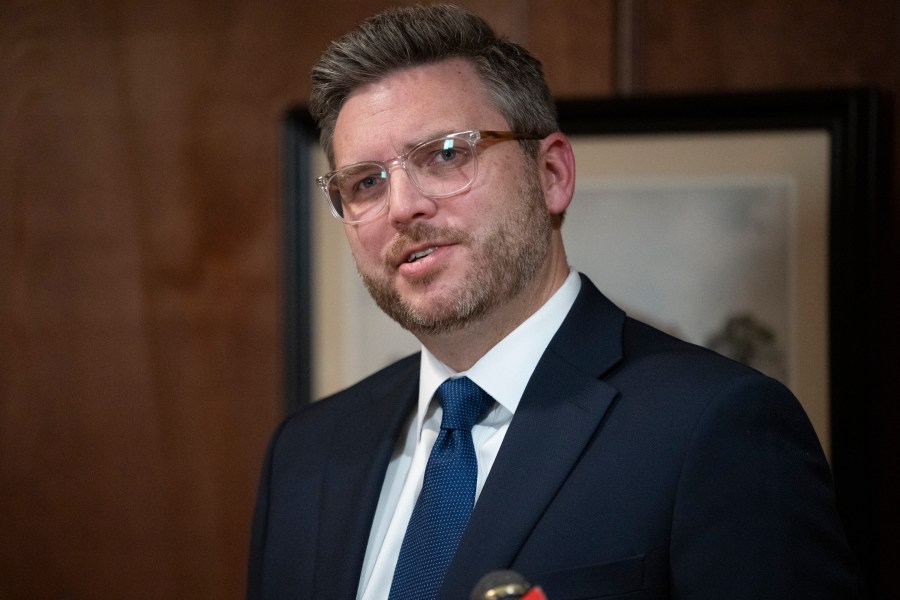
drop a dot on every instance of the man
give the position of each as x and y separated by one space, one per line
606 459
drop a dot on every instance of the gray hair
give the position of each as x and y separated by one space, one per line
401 38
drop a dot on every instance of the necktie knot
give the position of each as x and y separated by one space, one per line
463 402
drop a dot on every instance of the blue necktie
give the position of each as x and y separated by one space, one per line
447 496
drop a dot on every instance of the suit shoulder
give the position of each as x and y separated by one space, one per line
648 347
384 381
307 427
679 389
690 375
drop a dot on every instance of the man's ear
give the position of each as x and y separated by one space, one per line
556 164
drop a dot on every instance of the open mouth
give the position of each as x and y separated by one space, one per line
420 254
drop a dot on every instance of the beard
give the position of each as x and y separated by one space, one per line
505 260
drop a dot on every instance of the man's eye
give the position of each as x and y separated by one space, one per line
444 155
447 154
367 182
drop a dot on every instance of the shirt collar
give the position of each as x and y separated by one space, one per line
523 347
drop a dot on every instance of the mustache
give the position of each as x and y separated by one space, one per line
424 233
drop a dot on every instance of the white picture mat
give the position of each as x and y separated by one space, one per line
686 254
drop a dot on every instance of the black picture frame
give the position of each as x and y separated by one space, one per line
854 120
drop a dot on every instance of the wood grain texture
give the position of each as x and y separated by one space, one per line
576 41
738 45
140 324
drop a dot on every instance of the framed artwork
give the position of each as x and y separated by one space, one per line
746 222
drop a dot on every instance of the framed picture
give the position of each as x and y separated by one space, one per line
747 223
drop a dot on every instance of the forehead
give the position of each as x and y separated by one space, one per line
381 119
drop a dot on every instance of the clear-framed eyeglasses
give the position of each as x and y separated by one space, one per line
439 168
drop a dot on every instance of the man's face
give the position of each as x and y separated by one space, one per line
436 265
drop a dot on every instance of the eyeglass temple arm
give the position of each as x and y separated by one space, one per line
508 135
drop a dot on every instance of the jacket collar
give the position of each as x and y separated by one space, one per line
559 414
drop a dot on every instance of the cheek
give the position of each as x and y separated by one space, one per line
365 246
499 187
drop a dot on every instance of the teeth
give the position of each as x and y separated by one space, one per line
417 255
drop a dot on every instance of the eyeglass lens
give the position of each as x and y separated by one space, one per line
437 168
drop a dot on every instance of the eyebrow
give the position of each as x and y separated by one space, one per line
436 135
407 147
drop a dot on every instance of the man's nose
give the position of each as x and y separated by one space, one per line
405 202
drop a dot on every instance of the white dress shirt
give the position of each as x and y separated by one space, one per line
503 373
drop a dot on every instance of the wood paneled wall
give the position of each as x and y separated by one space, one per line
140 256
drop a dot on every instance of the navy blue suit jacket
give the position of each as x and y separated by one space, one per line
637 466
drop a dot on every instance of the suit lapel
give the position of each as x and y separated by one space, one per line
557 417
361 448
